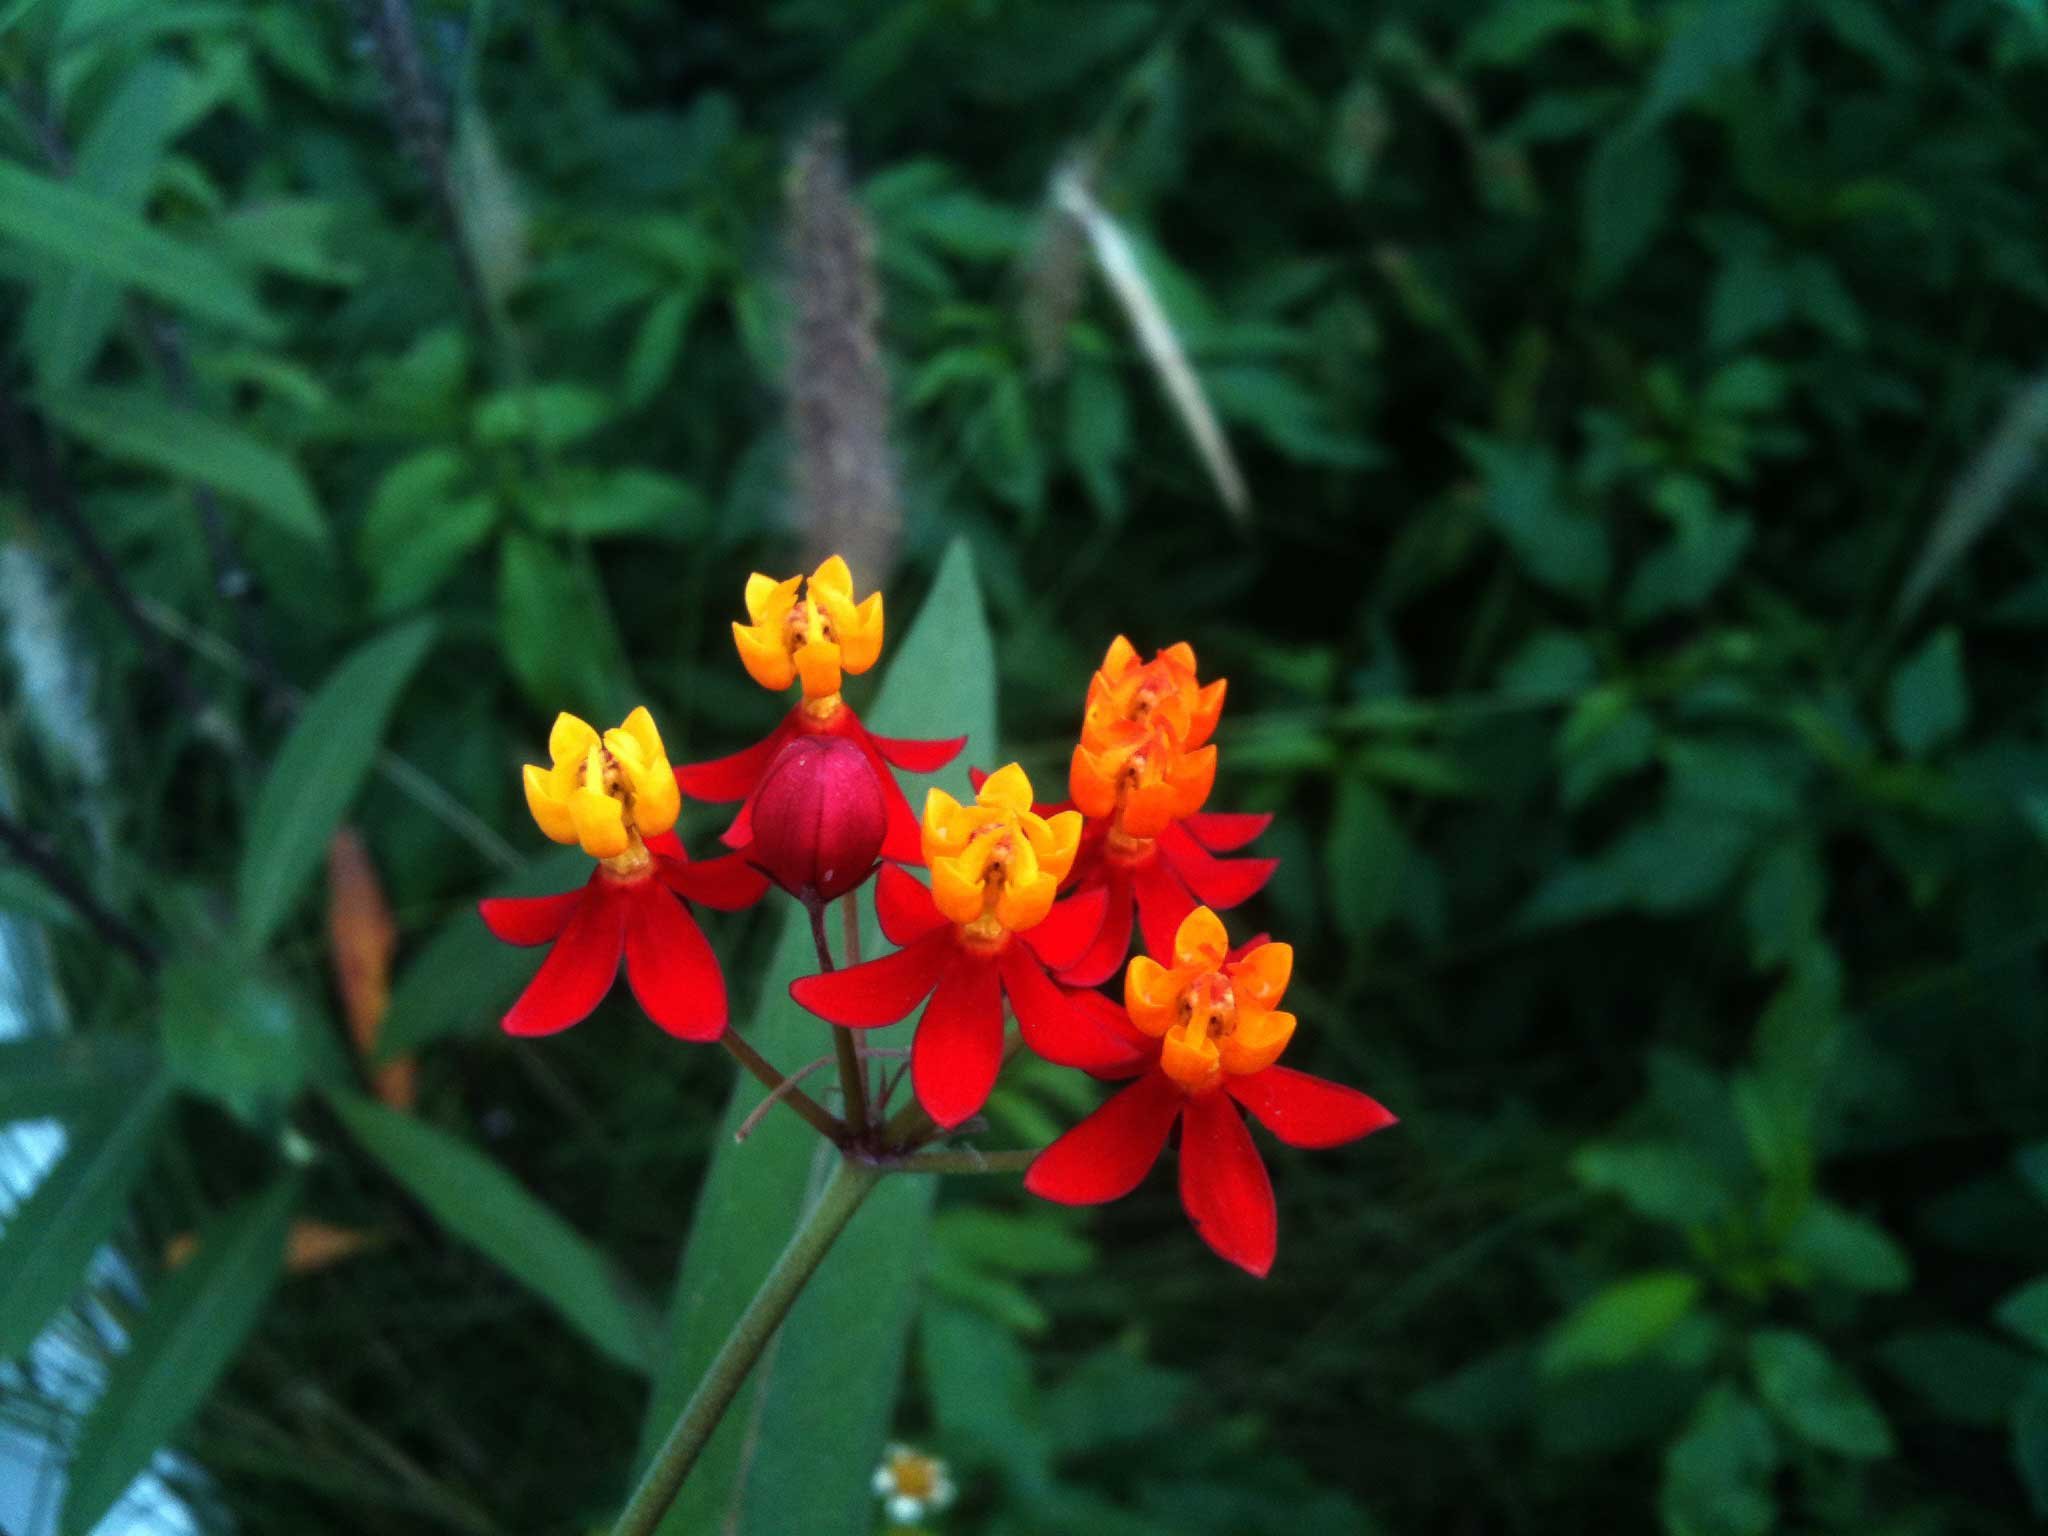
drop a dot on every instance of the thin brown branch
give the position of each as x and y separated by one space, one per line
65 882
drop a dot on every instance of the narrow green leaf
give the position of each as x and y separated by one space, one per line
1622 1322
464 979
1930 700
1717 1475
1662 1181
76 227
195 1324
54 1234
1815 1397
485 1206
2025 1312
137 427
70 1076
1630 186
797 1447
1844 1249
317 773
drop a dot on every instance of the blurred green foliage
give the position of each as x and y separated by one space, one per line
1636 624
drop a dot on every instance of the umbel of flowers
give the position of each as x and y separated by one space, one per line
1017 913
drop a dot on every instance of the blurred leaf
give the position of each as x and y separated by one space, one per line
232 1035
1800 1383
1714 40
1964 1375
1630 186
486 1207
1658 1180
1556 546
1112 1397
1718 1475
140 428
317 772
1028 1244
2025 1312
194 1325
550 415
54 1233
71 1076
1982 495
1621 1323
1553 666
1484 1397
464 979
1687 571
77 229
1930 702
797 1447
2030 1442
421 523
1365 855
554 627
640 502
656 347
362 936
979 1380
1844 1249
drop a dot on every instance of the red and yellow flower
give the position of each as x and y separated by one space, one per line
615 794
985 929
813 632
1210 1031
1140 775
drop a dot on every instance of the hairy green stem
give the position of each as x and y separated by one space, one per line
853 1078
966 1160
782 1087
812 1240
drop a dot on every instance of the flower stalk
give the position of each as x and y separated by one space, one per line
849 1185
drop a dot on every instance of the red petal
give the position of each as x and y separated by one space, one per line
1107 1155
904 841
958 1049
1223 1184
1218 883
1226 831
917 756
732 778
1109 1013
528 919
877 991
670 965
1069 928
1306 1111
1052 1027
578 971
905 906
1162 902
725 884
1105 957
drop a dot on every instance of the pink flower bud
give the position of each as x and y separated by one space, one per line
819 818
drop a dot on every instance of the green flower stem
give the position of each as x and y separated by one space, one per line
853 1081
967 1162
812 1240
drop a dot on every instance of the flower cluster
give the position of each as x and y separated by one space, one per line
1024 910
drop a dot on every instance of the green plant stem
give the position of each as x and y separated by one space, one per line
808 1245
764 1071
853 1077
967 1161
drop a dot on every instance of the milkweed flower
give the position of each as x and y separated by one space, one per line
813 632
985 929
615 795
820 819
1212 1030
1141 774
912 1485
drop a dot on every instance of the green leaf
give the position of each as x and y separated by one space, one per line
464 979
1844 1249
2025 1312
1963 1375
422 521
1557 547
195 1323
56 1231
1717 1475
1930 701
1621 1323
640 502
486 1207
77 228
232 1035
1716 39
978 1379
1800 1382
552 415
2030 1442
1658 1180
1630 187
70 1076
1684 573
555 627
137 427
1366 852
73 314
317 772
796 1449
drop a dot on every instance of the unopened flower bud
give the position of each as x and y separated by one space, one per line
819 818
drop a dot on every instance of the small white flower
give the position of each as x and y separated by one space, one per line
912 1485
